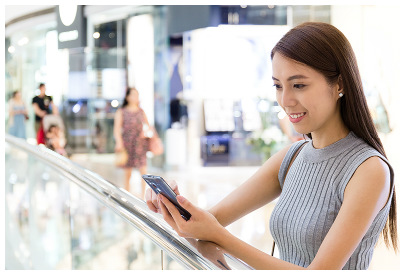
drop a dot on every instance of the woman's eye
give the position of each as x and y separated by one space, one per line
299 86
277 86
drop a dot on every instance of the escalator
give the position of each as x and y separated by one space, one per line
59 215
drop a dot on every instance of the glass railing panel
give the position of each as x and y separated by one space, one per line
169 263
37 221
213 253
103 240
52 223
62 216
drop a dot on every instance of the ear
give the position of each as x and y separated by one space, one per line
340 85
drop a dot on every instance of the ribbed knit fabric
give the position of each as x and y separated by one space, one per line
311 198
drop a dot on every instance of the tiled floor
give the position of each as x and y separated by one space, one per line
205 186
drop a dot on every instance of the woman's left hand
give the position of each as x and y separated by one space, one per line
202 225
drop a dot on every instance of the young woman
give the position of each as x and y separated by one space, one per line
18 115
337 194
129 136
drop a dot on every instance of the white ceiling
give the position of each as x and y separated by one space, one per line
13 11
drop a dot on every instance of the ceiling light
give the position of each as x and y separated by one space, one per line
11 49
68 14
23 41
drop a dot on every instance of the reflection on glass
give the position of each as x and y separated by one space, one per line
100 239
51 223
60 216
37 214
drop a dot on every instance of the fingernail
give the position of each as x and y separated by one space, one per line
180 199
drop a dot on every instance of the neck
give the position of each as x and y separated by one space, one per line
333 133
132 106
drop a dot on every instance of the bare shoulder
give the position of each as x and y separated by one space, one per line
280 155
371 180
118 111
375 169
142 111
270 168
118 115
275 161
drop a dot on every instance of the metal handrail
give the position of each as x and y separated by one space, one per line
129 207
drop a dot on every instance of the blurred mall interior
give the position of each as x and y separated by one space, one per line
204 79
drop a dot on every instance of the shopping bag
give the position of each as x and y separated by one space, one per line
156 146
121 158
155 143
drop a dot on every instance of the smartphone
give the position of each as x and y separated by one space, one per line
159 186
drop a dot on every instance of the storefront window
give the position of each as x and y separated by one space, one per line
27 64
106 74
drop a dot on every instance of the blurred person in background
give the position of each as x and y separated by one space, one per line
42 105
129 123
55 140
18 116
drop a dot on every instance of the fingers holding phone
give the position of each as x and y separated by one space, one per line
151 195
152 201
185 218
172 216
202 225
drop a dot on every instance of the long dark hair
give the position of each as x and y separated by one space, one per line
325 49
127 93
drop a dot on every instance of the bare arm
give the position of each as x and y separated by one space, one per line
39 112
119 144
145 118
366 194
25 111
11 108
54 108
260 189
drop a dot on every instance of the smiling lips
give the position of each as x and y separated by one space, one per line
296 117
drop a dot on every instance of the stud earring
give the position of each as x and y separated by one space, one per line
340 94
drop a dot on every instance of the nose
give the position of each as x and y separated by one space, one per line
287 98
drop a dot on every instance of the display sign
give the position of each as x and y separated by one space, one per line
215 149
218 115
71 26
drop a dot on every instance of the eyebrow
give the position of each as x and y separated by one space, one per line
298 76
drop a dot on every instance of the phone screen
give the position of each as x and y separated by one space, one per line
160 186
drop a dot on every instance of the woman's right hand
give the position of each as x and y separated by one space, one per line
119 147
151 196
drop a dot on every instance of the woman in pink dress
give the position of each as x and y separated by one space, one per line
128 134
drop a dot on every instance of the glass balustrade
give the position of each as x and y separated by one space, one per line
61 216
53 224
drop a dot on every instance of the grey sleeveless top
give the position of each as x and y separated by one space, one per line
311 198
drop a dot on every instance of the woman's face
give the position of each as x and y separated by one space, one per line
133 97
305 95
17 95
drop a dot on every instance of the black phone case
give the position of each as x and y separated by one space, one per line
159 186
